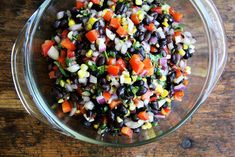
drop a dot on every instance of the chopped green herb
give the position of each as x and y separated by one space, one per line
60 68
135 90
101 70
106 55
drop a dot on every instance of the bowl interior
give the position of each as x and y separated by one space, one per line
199 64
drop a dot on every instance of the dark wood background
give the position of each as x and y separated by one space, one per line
212 128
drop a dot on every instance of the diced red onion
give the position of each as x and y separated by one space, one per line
100 100
180 87
68 87
73 68
89 105
102 47
163 61
144 73
146 46
53 53
74 109
153 40
57 39
93 79
134 125
160 116
182 64
60 15
150 116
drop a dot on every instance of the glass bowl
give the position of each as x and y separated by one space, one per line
32 84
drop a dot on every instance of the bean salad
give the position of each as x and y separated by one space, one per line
118 64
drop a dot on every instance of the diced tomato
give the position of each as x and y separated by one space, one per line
153 49
92 35
150 27
115 22
147 95
165 111
70 54
106 95
55 68
113 70
66 43
66 107
111 61
143 115
147 63
64 33
121 31
137 67
95 1
178 95
46 47
135 19
108 15
79 5
152 99
178 73
157 9
127 132
134 58
114 103
121 64
52 74
177 16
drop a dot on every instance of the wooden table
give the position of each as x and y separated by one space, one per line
212 128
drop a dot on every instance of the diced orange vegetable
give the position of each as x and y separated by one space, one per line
52 74
147 63
178 73
150 71
46 47
150 27
178 95
177 16
176 34
92 35
113 70
147 95
106 95
66 107
143 115
137 67
115 22
121 64
127 132
165 111
108 15
172 11
157 9
79 5
66 43
135 19
134 58
111 61
95 1
185 82
121 31
114 103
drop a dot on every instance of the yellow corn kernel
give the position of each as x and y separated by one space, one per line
108 78
62 83
168 100
127 80
134 78
71 22
89 54
164 93
68 81
84 67
81 74
145 80
159 89
163 78
92 20
188 69
88 26
60 101
96 126
181 52
185 47
113 7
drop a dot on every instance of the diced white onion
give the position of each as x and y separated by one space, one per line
89 105
53 53
73 68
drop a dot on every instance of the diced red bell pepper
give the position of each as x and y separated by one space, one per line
111 61
92 35
106 95
178 95
70 54
121 64
121 31
108 15
79 5
52 74
66 107
66 43
135 19
115 22
143 115
46 47
165 111
157 10
114 103
113 70
150 27
64 33
127 132
95 1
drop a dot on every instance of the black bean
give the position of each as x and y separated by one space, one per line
162 42
121 91
147 36
98 109
141 51
163 52
154 105
134 117
137 130
100 61
174 59
146 20
186 143
137 34
56 24
141 28
96 25
138 83
86 123
170 19
187 55
88 113
157 3
64 23
118 125
141 109
120 8
111 116
74 12
142 90
169 39
149 80
103 81
132 50
121 110
141 37
171 77
96 7
160 18
106 87
101 30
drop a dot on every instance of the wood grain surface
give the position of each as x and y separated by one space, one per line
212 128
